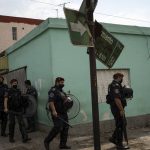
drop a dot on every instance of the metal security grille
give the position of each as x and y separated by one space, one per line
105 77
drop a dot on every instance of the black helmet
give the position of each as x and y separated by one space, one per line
68 103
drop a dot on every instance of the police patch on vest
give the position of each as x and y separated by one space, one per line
51 95
116 91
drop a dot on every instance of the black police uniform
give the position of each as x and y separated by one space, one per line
15 107
56 95
32 120
3 115
32 91
116 91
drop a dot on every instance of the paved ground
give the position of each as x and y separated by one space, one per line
139 139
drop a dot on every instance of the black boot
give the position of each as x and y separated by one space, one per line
113 140
46 145
64 147
4 134
11 140
121 146
25 140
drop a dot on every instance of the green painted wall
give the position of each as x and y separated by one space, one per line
50 54
36 55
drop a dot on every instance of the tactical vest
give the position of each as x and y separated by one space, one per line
3 89
110 97
14 99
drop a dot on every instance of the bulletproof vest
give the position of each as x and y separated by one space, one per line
3 89
123 100
60 98
14 99
110 97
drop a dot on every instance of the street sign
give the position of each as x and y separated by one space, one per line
108 48
78 28
84 6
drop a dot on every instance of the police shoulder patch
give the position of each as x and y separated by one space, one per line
53 89
116 84
51 94
116 91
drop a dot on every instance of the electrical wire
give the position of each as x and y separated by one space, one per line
140 20
62 4
43 2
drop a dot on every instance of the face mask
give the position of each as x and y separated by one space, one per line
15 86
121 81
61 85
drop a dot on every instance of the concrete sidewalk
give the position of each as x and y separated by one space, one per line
139 139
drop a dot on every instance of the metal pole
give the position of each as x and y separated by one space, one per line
56 12
94 94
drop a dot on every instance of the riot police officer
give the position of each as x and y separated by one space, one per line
56 103
14 106
3 115
30 89
31 120
117 105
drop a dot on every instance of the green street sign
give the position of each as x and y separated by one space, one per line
78 28
84 9
108 48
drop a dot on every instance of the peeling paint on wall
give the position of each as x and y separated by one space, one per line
106 115
38 85
84 115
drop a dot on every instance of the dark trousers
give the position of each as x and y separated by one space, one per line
19 117
120 123
31 123
59 127
3 117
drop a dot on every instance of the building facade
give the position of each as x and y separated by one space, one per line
13 29
47 52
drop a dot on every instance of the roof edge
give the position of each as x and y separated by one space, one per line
55 23
27 38
8 19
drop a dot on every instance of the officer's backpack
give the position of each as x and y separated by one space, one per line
109 98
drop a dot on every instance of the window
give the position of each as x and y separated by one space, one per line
105 77
14 33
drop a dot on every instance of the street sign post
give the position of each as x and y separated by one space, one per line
93 75
85 7
78 28
101 45
108 48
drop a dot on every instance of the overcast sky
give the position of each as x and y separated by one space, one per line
128 12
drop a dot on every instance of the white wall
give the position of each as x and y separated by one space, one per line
6 39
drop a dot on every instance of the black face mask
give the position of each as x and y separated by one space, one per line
15 86
61 86
121 81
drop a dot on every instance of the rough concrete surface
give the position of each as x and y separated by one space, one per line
139 139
